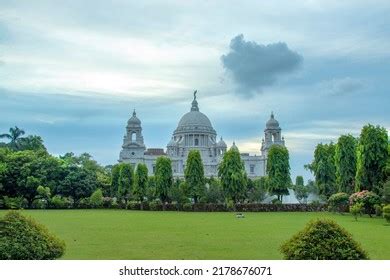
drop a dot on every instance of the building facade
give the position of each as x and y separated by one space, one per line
195 132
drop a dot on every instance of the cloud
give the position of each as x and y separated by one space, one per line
342 86
254 65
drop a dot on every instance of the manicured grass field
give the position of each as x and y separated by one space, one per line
123 234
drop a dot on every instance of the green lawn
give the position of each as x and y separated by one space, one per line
123 234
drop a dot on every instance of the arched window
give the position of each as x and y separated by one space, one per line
133 136
196 142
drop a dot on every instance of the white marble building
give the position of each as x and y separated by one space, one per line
195 131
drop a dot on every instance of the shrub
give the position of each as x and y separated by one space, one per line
356 210
39 203
84 203
24 239
230 205
378 210
276 201
338 202
369 200
133 205
315 203
96 199
322 240
386 213
187 207
155 205
59 202
15 202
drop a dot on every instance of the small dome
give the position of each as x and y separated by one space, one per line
272 123
234 147
134 119
221 143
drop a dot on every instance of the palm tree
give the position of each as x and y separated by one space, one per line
14 135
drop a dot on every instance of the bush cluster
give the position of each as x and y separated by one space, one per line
23 238
322 240
368 199
338 202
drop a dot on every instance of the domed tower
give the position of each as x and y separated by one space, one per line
195 132
221 147
133 142
272 135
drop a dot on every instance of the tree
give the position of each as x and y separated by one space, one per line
345 163
232 174
258 193
126 181
278 171
115 179
164 178
214 193
299 181
194 175
372 157
324 169
15 133
141 182
31 142
78 183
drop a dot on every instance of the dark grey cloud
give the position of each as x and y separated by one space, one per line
254 65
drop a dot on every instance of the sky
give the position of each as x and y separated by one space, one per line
73 71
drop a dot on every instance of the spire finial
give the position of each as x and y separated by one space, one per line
195 103
134 113
272 114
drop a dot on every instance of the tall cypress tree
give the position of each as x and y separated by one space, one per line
141 182
126 181
372 157
232 174
164 178
278 171
194 175
345 163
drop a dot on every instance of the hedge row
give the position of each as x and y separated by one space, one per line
212 207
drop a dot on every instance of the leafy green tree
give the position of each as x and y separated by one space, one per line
15 133
232 174
372 157
164 178
31 142
258 193
151 189
324 170
43 192
345 163
78 183
115 173
126 181
141 182
301 191
278 171
214 193
194 175
177 193
299 181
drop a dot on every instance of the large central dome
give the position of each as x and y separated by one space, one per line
194 121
